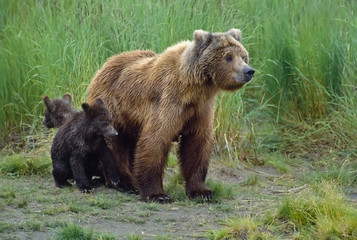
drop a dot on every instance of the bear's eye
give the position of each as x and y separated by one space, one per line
229 58
104 124
245 59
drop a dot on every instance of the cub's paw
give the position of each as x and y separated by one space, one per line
159 198
206 195
97 182
86 189
113 181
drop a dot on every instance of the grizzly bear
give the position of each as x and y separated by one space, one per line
57 111
79 145
154 98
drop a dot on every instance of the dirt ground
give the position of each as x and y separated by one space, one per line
32 208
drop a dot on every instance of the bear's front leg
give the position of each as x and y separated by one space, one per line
195 150
150 160
152 150
79 174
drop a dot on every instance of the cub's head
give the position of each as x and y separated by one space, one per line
57 111
222 59
100 119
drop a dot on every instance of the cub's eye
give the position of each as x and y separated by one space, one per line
229 58
104 124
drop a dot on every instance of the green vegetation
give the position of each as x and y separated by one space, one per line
319 212
75 232
302 100
25 164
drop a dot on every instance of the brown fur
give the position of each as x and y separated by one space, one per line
57 111
79 145
153 98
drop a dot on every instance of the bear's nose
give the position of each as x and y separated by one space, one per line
249 72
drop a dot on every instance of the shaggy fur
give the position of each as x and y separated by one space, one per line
79 145
57 111
154 98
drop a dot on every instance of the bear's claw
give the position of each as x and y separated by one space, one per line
87 190
206 195
159 198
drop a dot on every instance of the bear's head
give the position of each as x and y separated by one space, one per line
57 111
99 119
222 59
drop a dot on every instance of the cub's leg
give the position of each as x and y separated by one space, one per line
61 172
82 180
109 167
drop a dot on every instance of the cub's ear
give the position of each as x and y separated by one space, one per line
86 108
67 98
236 33
202 38
99 102
48 103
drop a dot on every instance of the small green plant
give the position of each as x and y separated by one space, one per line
150 206
7 227
75 232
175 187
252 180
7 192
221 190
318 212
279 162
322 208
33 225
345 174
55 209
172 161
23 203
101 202
22 164
134 237
241 228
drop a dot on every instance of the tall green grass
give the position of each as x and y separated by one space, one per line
304 53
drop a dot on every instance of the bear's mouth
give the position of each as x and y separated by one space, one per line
243 81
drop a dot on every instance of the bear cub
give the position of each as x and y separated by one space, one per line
57 111
80 144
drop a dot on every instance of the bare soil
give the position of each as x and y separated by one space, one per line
32 208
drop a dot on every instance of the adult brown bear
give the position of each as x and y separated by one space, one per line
154 98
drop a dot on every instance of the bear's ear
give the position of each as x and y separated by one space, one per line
202 38
99 102
67 98
86 108
49 104
236 33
